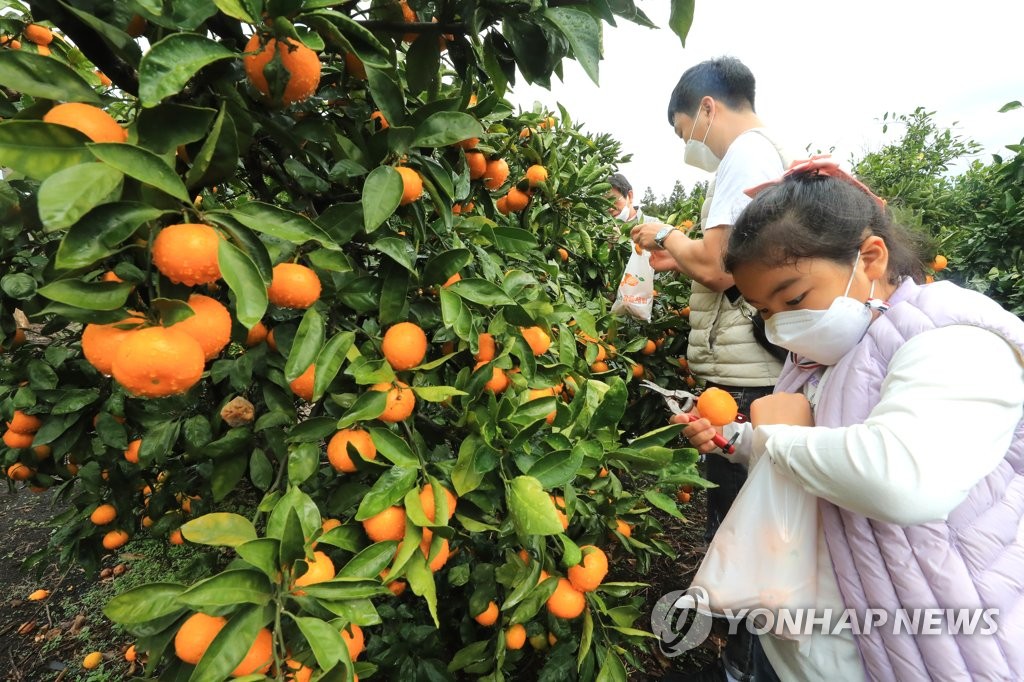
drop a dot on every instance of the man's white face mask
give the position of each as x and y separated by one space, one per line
697 153
623 215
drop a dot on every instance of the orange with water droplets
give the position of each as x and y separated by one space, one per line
294 286
24 423
210 324
337 449
591 571
186 253
157 362
101 341
301 63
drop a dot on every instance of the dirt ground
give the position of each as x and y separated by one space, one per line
45 641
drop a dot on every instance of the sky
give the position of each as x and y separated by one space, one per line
826 73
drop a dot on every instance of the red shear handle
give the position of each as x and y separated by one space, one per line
719 440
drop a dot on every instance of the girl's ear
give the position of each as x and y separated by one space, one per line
874 254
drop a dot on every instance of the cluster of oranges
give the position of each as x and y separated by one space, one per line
37 34
19 435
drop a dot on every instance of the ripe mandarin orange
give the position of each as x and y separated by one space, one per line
717 406
537 338
114 539
476 162
301 63
93 660
40 35
623 527
354 65
210 326
412 185
93 122
294 286
443 552
386 525
488 616
515 637
158 361
302 385
19 472
195 635
486 348
337 449
401 401
536 174
940 263
103 514
495 174
320 569
355 641
24 423
498 382
259 657
589 573
296 672
404 346
187 253
101 341
256 335
650 347
427 501
382 122
566 601
515 200
563 255
132 453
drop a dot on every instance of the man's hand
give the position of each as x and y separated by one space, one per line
781 408
644 233
663 261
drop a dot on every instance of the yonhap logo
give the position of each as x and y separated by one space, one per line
681 620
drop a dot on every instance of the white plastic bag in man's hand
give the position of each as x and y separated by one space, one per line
636 288
765 552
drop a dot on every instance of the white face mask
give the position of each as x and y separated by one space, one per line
623 215
697 153
824 336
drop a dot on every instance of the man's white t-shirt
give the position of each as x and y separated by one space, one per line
752 159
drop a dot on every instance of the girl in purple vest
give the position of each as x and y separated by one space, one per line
900 408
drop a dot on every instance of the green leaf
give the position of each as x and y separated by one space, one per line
40 149
219 529
235 9
305 508
387 491
329 361
393 448
436 394
369 405
325 641
101 232
445 128
44 78
241 586
69 194
308 341
557 468
369 562
386 93
534 601
303 460
341 589
680 20
663 502
173 61
230 645
445 264
472 654
243 278
421 580
531 508
141 164
144 603
218 157
88 295
481 291
382 193
612 406
583 32
399 250
261 553
281 223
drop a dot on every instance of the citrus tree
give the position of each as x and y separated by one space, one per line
303 287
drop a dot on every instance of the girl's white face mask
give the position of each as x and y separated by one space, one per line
697 153
825 336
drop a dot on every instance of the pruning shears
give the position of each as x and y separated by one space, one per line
681 402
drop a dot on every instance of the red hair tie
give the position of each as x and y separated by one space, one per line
819 164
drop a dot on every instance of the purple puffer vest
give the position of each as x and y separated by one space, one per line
973 559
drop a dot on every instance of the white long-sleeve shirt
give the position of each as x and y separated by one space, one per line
946 416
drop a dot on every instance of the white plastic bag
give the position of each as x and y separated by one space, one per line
636 288
765 553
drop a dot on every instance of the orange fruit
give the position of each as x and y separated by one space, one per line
588 574
489 616
92 660
452 280
105 82
270 340
516 200
397 587
40 35
566 601
101 341
110 276
354 640
498 381
114 539
495 174
293 286
412 185
187 253
564 255
487 348
401 401
93 122
136 26
476 162
650 347
256 335
132 453
320 569
330 524
354 65
638 371
443 552
301 63
548 122
502 205
559 503
302 385
623 527
536 174
157 362
176 538
602 354
929 279
538 339
427 501
409 16
717 406
24 423
469 143
515 637
337 449
381 121
683 363
39 595
210 326
130 654
296 672
683 496
103 514
195 635
525 133
387 525
940 263
404 346
259 656
599 367
685 312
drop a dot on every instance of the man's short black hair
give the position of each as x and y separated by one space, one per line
725 78
620 184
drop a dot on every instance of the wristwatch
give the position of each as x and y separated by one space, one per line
663 233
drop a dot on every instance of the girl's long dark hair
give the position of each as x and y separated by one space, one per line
817 216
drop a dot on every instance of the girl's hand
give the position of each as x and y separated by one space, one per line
781 408
699 431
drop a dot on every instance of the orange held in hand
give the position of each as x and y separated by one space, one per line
717 406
